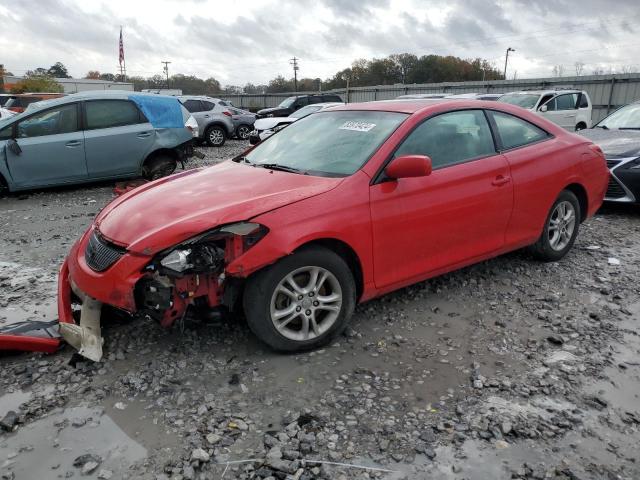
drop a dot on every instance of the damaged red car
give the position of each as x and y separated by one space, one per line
338 208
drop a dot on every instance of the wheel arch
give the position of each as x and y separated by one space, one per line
158 152
583 199
216 123
346 252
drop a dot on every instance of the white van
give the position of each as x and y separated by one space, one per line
571 109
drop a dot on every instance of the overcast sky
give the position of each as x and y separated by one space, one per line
238 42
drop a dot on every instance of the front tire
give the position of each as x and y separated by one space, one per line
301 302
215 136
581 126
560 228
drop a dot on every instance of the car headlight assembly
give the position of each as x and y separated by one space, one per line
207 251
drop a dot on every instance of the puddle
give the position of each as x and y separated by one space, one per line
13 400
47 448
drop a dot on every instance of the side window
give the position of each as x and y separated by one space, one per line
193 105
207 106
515 132
111 113
302 101
314 100
584 102
550 102
566 101
450 138
6 133
50 122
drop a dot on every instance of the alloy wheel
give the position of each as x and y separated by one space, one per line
306 303
216 136
243 132
562 223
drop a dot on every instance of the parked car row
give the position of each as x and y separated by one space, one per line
19 102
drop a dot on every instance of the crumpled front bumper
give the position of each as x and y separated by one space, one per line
92 290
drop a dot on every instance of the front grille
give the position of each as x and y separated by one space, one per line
101 254
614 189
612 163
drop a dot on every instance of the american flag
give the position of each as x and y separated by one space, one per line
121 48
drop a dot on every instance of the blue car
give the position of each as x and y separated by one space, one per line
93 136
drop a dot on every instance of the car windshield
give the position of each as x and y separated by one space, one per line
287 102
303 112
522 100
328 143
626 117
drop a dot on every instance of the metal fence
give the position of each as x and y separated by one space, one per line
607 92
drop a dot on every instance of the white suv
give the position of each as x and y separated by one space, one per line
571 109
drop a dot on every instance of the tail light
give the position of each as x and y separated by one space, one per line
227 113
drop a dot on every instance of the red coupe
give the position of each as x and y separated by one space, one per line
338 208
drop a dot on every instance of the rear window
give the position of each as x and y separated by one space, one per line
516 132
111 113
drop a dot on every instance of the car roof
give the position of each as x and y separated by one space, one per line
196 97
543 92
411 106
91 95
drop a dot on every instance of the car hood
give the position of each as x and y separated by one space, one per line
270 122
163 213
615 143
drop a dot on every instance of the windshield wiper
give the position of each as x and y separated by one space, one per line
284 168
629 128
602 126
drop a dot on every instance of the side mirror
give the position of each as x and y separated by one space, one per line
408 166
543 108
13 146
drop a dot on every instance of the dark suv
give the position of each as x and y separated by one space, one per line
291 104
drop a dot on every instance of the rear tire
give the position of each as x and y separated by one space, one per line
158 167
243 131
560 229
215 136
322 297
580 126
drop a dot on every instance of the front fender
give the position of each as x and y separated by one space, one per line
323 217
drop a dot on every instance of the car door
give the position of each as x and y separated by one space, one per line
52 149
117 137
528 150
562 111
458 213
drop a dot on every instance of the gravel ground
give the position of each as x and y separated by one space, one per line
507 369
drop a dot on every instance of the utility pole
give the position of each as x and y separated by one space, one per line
506 59
294 62
166 70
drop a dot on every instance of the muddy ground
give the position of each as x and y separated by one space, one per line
508 369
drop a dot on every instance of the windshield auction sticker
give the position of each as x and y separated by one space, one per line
357 126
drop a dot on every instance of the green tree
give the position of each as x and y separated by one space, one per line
92 75
58 70
37 83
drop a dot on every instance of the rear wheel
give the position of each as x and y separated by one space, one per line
243 131
158 167
581 126
215 136
560 230
301 302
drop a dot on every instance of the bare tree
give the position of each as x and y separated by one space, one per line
558 70
626 68
579 68
598 70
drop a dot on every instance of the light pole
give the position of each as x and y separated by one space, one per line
506 60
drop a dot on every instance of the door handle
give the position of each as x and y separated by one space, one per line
206 116
501 180
570 115
144 135
73 143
